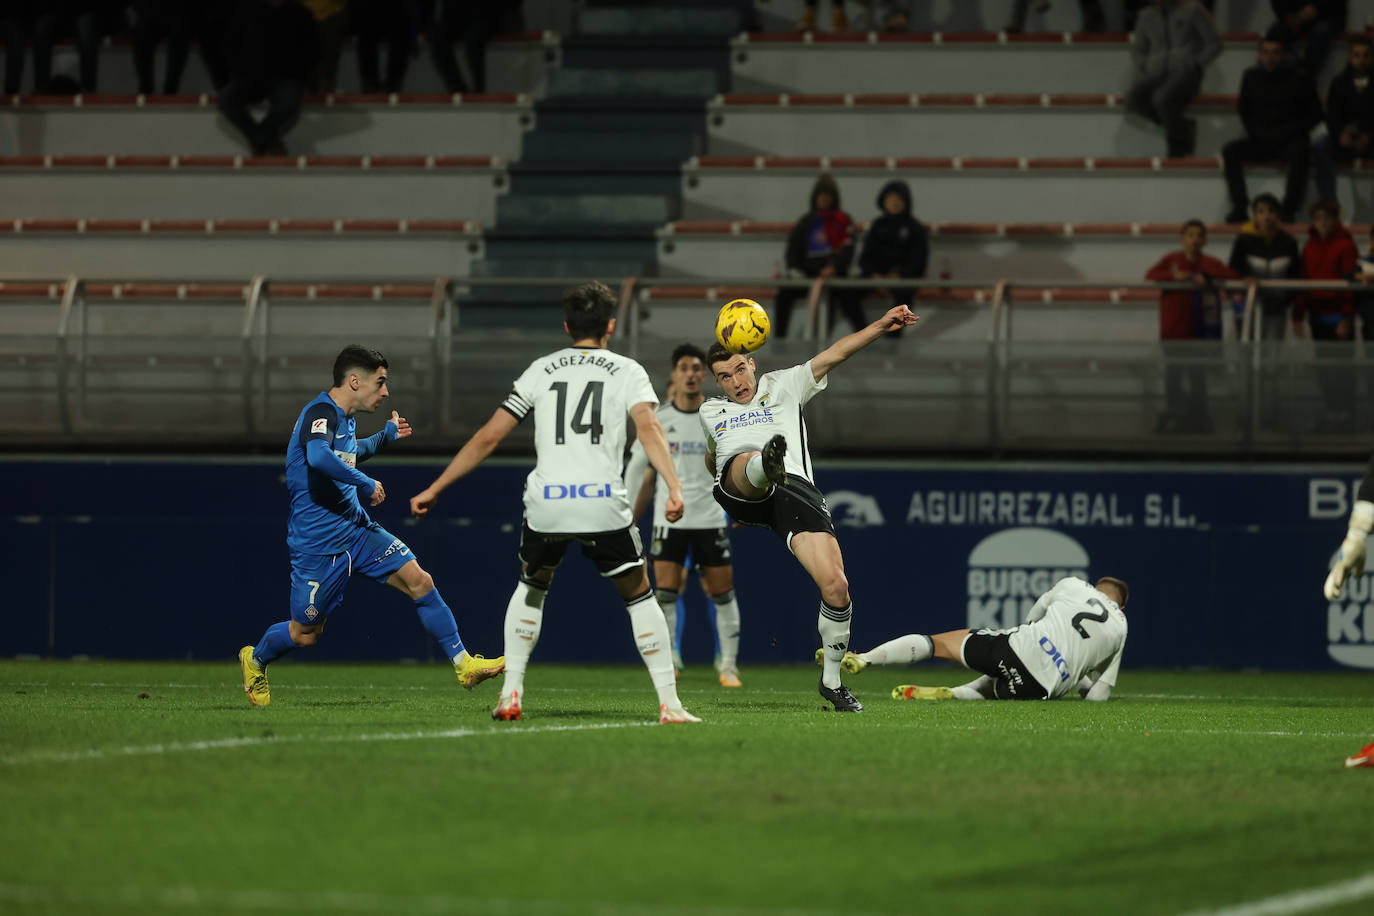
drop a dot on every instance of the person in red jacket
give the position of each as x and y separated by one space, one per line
1188 315
1330 254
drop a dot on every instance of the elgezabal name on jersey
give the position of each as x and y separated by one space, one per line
1045 508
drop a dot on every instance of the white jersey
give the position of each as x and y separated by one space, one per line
580 399
776 408
687 445
1072 631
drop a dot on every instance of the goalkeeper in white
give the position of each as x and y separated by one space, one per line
1350 557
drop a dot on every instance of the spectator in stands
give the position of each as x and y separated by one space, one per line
87 20
839 21
821 244
1330 254
1133 8
1363 274
390 21
1311 24
1278 105
1188 314
272 48
154 19
18 18
896 245
1093 18
331 21
1349 117
475 22
1263 250
1174 41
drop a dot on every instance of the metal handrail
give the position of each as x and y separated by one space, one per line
73 297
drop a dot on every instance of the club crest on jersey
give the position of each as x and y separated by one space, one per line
311 612
719 428
319 426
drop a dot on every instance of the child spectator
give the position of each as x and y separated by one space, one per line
821 244
1278 105
896 244
1349 117
1329 254
1188 314
1264 251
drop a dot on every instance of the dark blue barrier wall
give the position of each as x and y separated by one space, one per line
187 559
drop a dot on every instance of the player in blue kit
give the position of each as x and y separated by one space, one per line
331 536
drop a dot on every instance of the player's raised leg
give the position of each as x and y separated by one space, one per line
438 621
819 554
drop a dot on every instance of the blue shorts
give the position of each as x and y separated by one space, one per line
317 582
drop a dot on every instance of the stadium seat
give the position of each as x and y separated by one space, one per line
1042 251
349 125
986 189
963 62
243 187
950 124
198 249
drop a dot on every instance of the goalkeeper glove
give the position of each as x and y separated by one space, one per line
1350 557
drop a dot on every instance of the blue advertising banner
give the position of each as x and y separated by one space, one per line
187 558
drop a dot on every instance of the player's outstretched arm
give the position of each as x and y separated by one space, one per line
398 427
898 317
1350 556
473 453
656 447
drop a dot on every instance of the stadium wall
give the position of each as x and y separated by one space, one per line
186 559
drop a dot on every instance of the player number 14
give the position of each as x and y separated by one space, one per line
586 417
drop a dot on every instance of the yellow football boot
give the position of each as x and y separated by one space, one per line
474 669
254 679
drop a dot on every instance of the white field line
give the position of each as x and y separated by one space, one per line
175 747
186 899
1304 901
211 744
234 685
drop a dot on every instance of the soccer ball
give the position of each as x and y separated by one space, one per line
742 326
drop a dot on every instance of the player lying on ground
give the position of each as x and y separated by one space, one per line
756 449
702 526
579 397
1349 562
1072 639
331 536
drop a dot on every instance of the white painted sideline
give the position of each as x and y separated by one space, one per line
1313 898
189 899
172 747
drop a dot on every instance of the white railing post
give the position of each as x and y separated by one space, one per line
73 298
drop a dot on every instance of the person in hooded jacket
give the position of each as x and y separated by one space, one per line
821 244
1330 254
896 245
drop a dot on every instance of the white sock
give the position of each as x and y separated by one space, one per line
667 602
977 689
727 627
655 646
524 617
833 624
904 650
753 469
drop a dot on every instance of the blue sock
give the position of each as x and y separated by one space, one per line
276 642
439 623
681 619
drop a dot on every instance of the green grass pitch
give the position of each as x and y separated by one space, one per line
149 787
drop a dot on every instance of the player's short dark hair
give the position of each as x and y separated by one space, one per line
1361 40
1265 199
1119 586
717 354
356 356
686 349
588 309
1193 222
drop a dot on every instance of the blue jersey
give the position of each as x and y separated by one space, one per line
323 481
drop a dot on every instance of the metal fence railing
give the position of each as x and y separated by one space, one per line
1006 366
